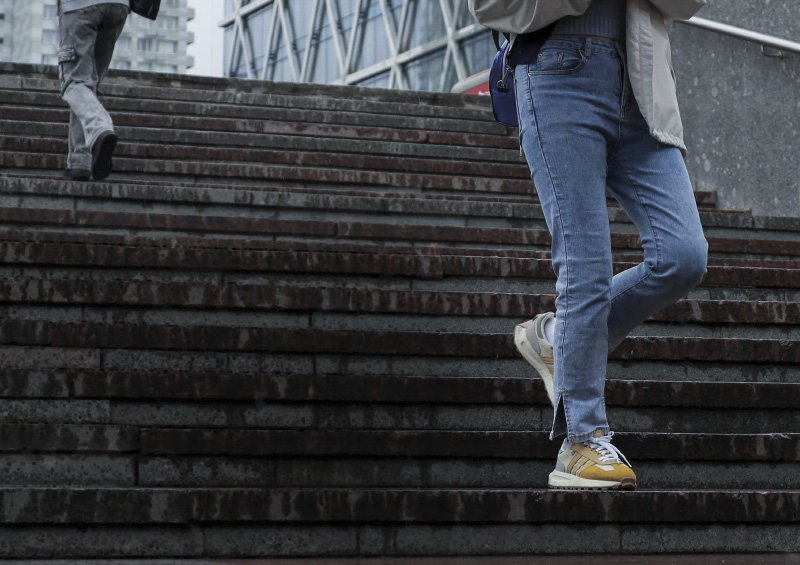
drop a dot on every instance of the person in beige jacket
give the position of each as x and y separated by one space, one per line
598 110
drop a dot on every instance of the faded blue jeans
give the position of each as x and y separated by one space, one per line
87 40
582 132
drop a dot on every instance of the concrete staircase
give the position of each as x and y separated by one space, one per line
283 328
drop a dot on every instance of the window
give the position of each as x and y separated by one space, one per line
49 59
477 51
374 47
168 22
165 46
146 44
257 29
50 12
425 73
163 68
124 42
50 37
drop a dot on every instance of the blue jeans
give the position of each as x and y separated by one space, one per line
582 132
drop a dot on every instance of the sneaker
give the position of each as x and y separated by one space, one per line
77 174
592 465
539 353
102 150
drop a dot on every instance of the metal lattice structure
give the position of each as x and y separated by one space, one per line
399 44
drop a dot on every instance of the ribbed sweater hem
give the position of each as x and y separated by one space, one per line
72 5
604 18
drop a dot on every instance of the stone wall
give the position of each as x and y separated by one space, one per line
740 107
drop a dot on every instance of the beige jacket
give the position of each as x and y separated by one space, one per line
649 55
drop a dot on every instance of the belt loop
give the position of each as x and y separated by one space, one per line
588 46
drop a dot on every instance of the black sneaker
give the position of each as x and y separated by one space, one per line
77 174
102 150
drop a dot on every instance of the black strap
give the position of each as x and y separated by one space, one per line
496 38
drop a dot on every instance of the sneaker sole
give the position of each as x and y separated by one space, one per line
529 354
565 481
102 166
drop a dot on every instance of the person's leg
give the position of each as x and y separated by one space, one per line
77 32
89 120
567 116
109 31
650 181
569 111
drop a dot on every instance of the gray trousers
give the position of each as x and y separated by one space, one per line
87 39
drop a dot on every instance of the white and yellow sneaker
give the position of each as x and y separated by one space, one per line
538 352
594 464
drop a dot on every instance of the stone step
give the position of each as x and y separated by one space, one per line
382 416
730 321
288 120
172 143
501 445
112 292
240 363
27 154
158 153
201 254
325 98
291 202
228 132
279 544
93 455
398 506
387 343
434 402
491 239
334 388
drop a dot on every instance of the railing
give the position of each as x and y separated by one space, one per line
747 35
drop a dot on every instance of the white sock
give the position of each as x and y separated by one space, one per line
550 330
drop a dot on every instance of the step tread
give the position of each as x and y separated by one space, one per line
405 343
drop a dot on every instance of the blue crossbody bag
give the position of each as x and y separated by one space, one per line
501 88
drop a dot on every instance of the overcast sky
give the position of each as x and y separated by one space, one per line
208 46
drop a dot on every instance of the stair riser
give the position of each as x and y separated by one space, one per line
92 470
254 472
17 357
264 541
384 417
478 322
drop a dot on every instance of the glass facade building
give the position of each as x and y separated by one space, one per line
399 44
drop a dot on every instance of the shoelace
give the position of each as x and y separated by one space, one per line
608 451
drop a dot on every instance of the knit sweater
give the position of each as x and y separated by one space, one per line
603 18
72 5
